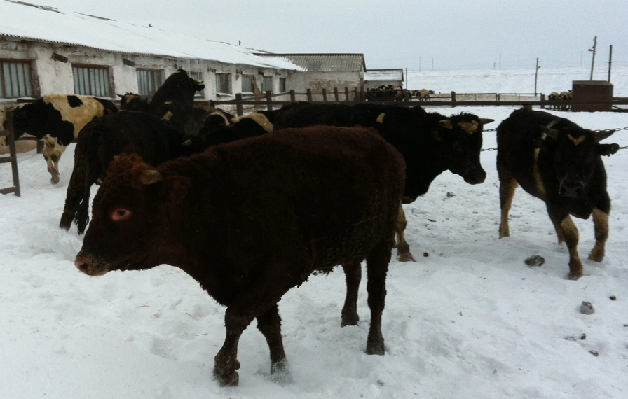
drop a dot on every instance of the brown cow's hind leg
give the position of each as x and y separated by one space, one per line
600 220
377 267
507 187
353 275
226 361
269 324
403 249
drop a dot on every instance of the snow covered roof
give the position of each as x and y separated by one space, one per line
383 74
322 62
40 23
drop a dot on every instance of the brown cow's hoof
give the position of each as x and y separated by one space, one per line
349 319
406 257
574 276
596 255
375 348
227 380
55 179
66 221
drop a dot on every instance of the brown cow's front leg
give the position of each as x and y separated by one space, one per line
570 232
269 324
600 220
226 361
353 275
376 269
403 249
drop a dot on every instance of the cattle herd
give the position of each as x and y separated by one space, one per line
252 206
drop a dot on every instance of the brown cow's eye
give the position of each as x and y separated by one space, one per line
120 214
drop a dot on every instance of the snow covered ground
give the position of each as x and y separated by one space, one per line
467 320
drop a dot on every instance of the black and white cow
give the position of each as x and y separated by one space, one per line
57 119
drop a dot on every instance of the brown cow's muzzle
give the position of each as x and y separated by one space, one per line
89 265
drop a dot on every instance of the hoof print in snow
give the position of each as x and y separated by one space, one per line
612 298
595 353
535 260
586 308
450 194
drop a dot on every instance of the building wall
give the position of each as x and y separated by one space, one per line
52 76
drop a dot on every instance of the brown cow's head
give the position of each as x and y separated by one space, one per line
462 138
575 154
128 229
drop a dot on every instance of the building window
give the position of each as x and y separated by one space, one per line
247 84
223 81
148 81
15 79
91 81
282 85
267 84
198 76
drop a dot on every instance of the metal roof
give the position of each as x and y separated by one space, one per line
323 62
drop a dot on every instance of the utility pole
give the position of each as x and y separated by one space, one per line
536 76
593 57
610 61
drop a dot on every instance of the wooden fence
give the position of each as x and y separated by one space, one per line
270 101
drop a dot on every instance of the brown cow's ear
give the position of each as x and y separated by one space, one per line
484 121
599 136
175 188
446 123
148 177
607 149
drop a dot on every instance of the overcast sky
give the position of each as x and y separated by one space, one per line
413 34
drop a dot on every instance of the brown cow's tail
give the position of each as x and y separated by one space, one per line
76 190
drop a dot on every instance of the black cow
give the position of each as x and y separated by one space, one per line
104 138
133 102
58 119
215 129
431 143
559 162
174 100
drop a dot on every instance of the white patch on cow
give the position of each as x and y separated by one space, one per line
78 116
167 116
380 118
576 141
168 102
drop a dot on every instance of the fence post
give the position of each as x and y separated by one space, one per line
453 98
355 94
269 100
324 91
308 94
542 98
346 93
293 97
336 96
406 95
239 106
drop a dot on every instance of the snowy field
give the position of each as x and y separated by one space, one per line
468 320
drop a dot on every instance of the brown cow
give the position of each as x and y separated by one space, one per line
251 219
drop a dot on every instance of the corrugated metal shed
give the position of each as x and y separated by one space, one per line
323 62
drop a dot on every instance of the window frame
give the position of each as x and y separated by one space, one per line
227 82
272 84
282 85
91 77
152 74
25 79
